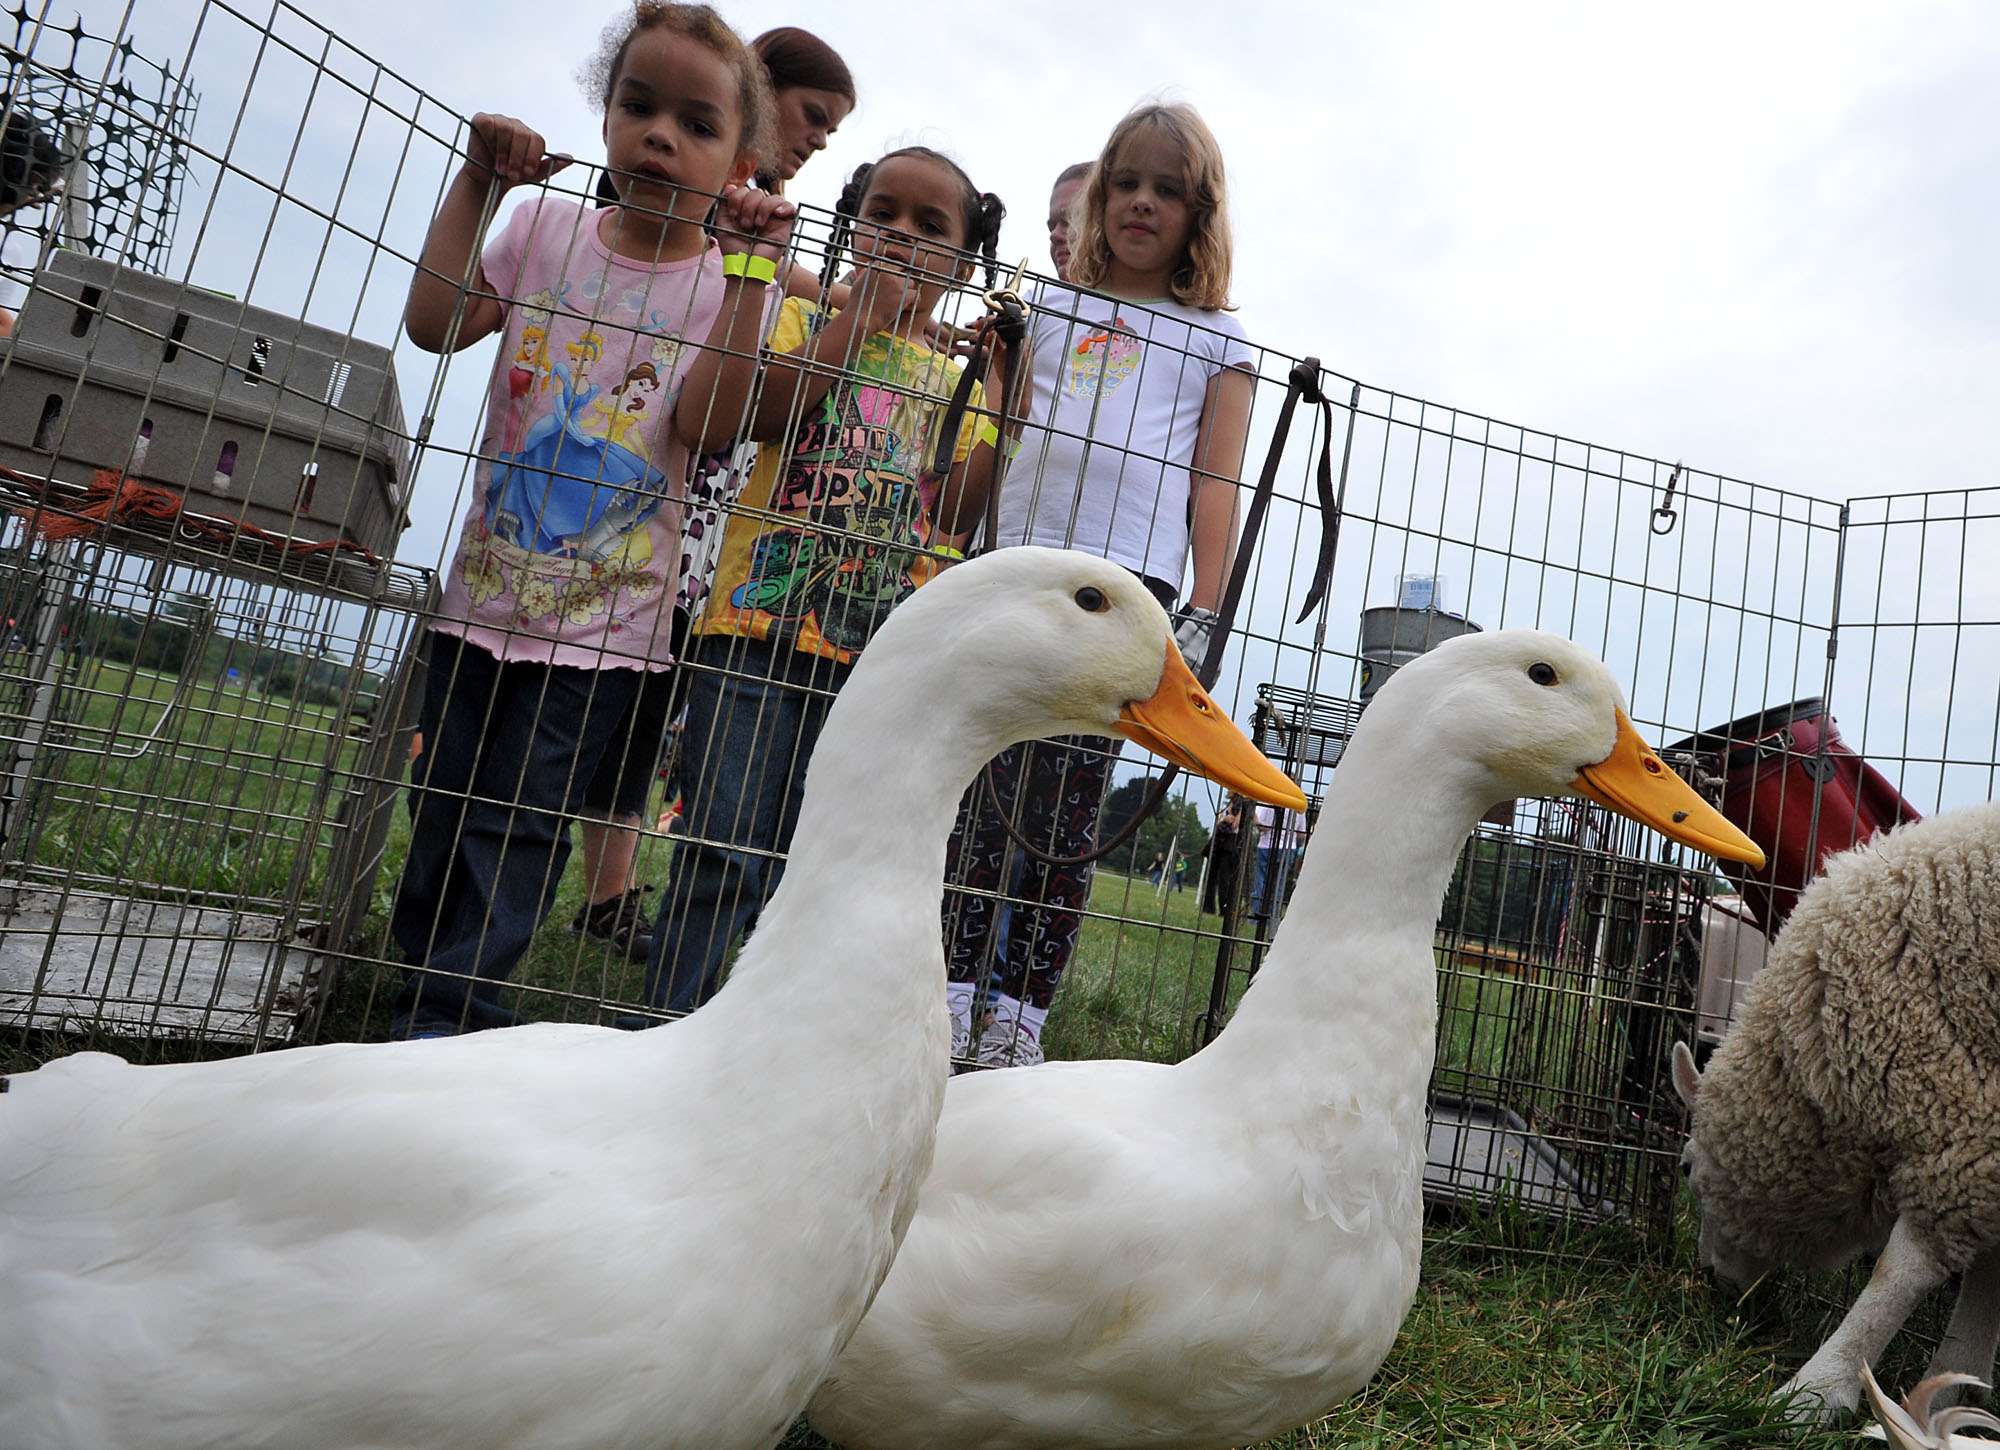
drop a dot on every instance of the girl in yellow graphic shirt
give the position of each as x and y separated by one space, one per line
837 525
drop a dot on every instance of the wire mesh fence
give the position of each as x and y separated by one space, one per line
201 776
219 668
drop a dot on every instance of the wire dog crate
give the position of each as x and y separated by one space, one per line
202 763
1570 945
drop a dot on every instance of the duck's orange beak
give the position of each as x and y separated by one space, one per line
1179 722
1636 783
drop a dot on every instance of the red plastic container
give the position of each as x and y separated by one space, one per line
1784 764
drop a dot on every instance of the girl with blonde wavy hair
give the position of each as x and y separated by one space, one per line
1177 136
1142 383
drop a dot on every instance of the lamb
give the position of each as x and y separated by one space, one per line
1856 1105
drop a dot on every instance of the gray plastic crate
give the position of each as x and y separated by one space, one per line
248 413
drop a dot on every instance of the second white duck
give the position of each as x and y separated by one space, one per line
1113 1253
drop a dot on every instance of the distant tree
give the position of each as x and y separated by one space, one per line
166 641
1119 807
1510 892
186 609
1157 833
1175 830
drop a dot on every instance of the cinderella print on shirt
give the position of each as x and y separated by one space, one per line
569 495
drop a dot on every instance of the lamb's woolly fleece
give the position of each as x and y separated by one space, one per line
1863 1081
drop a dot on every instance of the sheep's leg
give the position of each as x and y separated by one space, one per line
1974 1332
1830 1382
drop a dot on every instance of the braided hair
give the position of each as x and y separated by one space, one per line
982 209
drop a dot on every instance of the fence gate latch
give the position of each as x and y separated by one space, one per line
1666 509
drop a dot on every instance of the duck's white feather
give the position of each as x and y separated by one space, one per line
1122 1254
556 1236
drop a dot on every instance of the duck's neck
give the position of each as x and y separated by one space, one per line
860 899
1350 981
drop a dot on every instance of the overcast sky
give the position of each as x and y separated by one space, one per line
1760 238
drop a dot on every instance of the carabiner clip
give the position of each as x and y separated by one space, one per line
1009 312
1666 508
1000 298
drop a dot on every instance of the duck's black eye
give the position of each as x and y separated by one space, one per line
1092 598
1542 674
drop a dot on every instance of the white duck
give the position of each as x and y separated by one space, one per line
1122 1253
562 1235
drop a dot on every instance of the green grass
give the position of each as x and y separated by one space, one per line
1597 1348
1511 1348
1138 982
1478 1006
564 976
229 792
1550 1023
221 790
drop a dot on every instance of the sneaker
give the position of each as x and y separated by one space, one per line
1006 1043
961 1040
622 921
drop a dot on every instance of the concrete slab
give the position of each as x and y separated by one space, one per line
149 968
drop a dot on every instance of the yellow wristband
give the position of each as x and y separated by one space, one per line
946 551
985 433
749 268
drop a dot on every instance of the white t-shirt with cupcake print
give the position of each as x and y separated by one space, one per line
1112 425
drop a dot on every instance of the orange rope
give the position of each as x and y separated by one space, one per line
112 498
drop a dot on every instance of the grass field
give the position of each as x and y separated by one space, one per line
1136 987
1510 1348
225 791
212 788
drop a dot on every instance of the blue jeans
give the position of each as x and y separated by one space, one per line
508 749
1264 881
754 711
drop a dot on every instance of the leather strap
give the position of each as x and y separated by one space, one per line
1009 322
